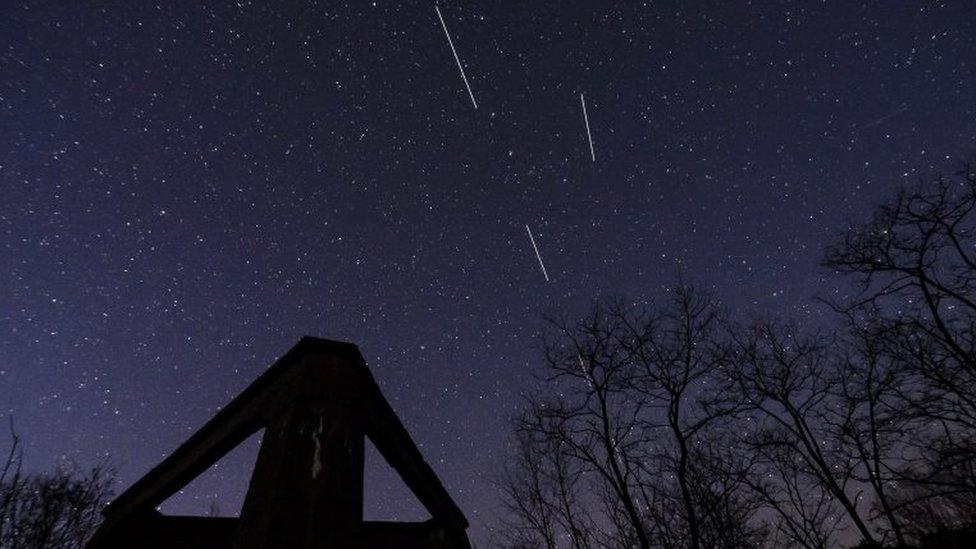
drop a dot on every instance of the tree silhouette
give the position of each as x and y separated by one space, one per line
638 416
677 426
59 510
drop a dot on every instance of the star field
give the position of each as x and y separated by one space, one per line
186 190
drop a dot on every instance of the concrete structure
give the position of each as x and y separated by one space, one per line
316 404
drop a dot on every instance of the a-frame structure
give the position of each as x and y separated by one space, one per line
316 404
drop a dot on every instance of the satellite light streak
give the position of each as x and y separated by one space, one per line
456 58
586 373
586 119
539 257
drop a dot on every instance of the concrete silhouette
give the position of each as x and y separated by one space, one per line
316 404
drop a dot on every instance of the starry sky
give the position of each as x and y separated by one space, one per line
186 190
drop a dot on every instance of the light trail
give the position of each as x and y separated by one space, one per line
456 58
586 119
539 257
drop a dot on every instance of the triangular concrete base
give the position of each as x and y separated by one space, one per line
316 404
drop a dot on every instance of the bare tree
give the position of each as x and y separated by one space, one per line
916 272
592 416
870 422
720 480
951 507
671 427
787 380
636 403
803 513
51 511
678 354
542 496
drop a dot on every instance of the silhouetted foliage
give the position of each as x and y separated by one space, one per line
543 487
59 510
637 421
786 378
914 317
676 426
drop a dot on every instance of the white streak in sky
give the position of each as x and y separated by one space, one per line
539 257
883 118
587 120
456 58
586 373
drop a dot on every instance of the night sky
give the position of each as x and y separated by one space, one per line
186 191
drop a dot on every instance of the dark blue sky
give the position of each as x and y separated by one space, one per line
185 191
